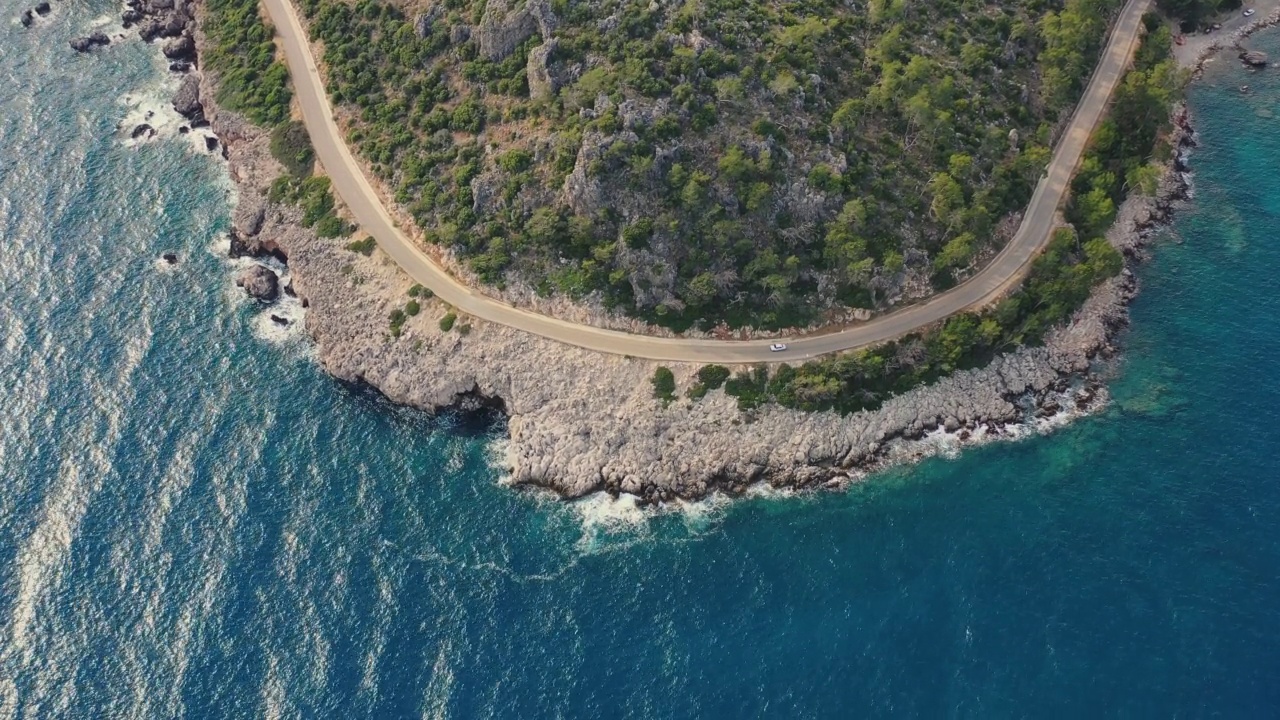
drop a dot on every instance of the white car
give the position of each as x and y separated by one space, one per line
1248 12
777 347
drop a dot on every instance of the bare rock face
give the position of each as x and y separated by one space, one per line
187 100
180 48
261 283
1254 58
542 83
425 20
581 191
503 28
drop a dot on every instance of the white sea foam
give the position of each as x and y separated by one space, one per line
153 105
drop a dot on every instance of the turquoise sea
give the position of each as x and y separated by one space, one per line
195 521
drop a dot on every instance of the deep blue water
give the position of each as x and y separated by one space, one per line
196 521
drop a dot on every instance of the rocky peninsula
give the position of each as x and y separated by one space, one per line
582 422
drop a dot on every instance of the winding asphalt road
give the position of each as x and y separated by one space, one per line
1005 271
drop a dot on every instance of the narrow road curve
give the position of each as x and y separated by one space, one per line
1005 271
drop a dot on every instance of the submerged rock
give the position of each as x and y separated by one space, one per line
142 130
89 42
170 258
43 9
261 283
1254 58
26 19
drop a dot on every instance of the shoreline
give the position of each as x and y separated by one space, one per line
581 423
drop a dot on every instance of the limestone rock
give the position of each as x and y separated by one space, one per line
1254 58
503 27
261 283
542 84
180 48
187 100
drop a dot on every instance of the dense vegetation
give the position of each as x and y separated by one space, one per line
712 160
1060 279
1194 13
241 51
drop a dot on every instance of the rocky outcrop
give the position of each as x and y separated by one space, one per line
542 83
187 100
582 191
261 283
180 48
424 21
1254 58
89 42
504 26
581 422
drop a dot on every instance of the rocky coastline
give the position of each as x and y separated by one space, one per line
581 422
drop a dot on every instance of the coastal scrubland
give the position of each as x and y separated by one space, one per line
713 161
727 162
1126 154
252 81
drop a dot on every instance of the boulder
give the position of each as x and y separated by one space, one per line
187 100
279 320
89 42
180 67
141 131
26 19
261 283
1254 58
43 9
248 218
175 25
171 258
210 143
130 18
180 48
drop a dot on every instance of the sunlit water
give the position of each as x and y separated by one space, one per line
196 521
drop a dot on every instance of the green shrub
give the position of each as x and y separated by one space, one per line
291 145
397 319
364 247
446 322
664 384
412 308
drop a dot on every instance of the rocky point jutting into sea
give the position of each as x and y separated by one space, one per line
582 422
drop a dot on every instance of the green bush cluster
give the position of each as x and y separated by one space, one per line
446 322
291 145
1059 282
418 291
664 384
710 377
314 197
241 52
1119 155
364 247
